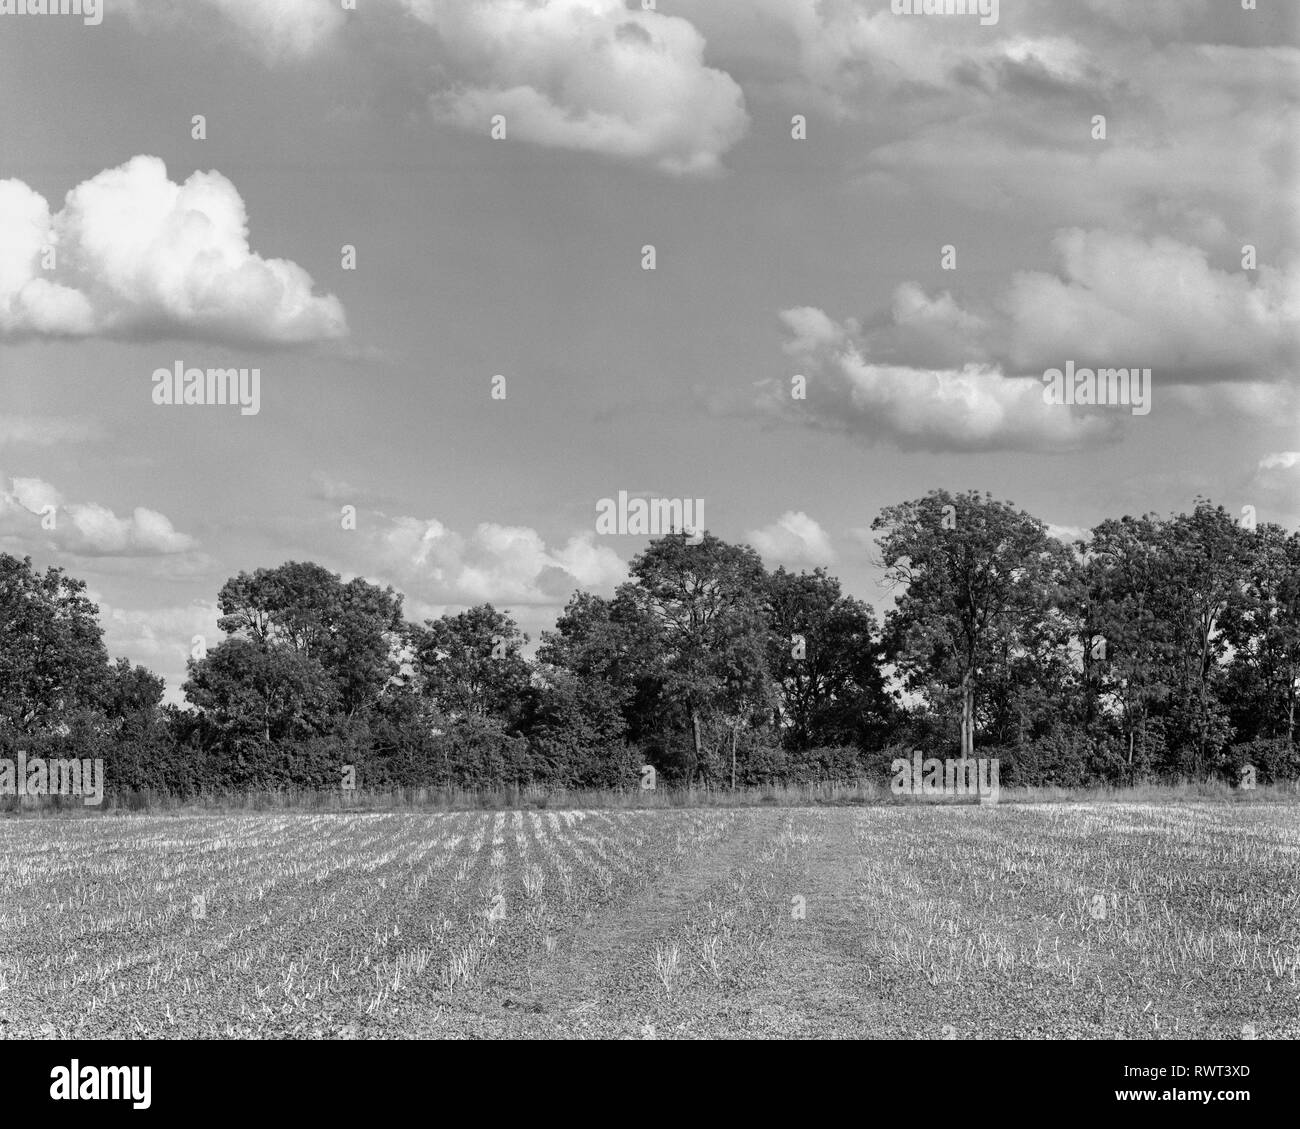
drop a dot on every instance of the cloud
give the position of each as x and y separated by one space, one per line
161 639
1122 300
1280 461
1114 301
276 30
590 75
43 431
973 408
1198 145
930 332
1275 488
931 374
847 58
1068 533
496 564
84 528
793 538
328 488
139 257
1201 120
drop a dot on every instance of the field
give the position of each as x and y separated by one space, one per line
1115 920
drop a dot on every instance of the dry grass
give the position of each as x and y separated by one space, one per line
1106 920
860 791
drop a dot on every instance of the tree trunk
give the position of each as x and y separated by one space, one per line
695 731
733 756
967 715
1290 711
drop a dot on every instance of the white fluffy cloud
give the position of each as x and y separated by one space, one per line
936 376
84 528
137 256
974 407
591 75
794 538
1128 301
497 564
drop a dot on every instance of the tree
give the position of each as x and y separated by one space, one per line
1125 631
976 572
705 603
354 629
52 657
471 664
246 692
1208 553
823 652
615 642
1262 628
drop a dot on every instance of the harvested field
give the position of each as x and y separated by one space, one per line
1067 921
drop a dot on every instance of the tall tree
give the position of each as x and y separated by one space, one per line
825 660
472 664
52 657
1262 628
1208 555
354 629
705 600
1125 632
975 571
246 692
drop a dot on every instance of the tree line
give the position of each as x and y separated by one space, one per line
1151 647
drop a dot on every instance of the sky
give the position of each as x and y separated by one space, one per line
873 233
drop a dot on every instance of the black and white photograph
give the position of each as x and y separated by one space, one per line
614 521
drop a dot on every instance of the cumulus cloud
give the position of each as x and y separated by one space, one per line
136 256
589 75
497 564
794 538
971 408
932 374
84 528
1122 300
921 331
